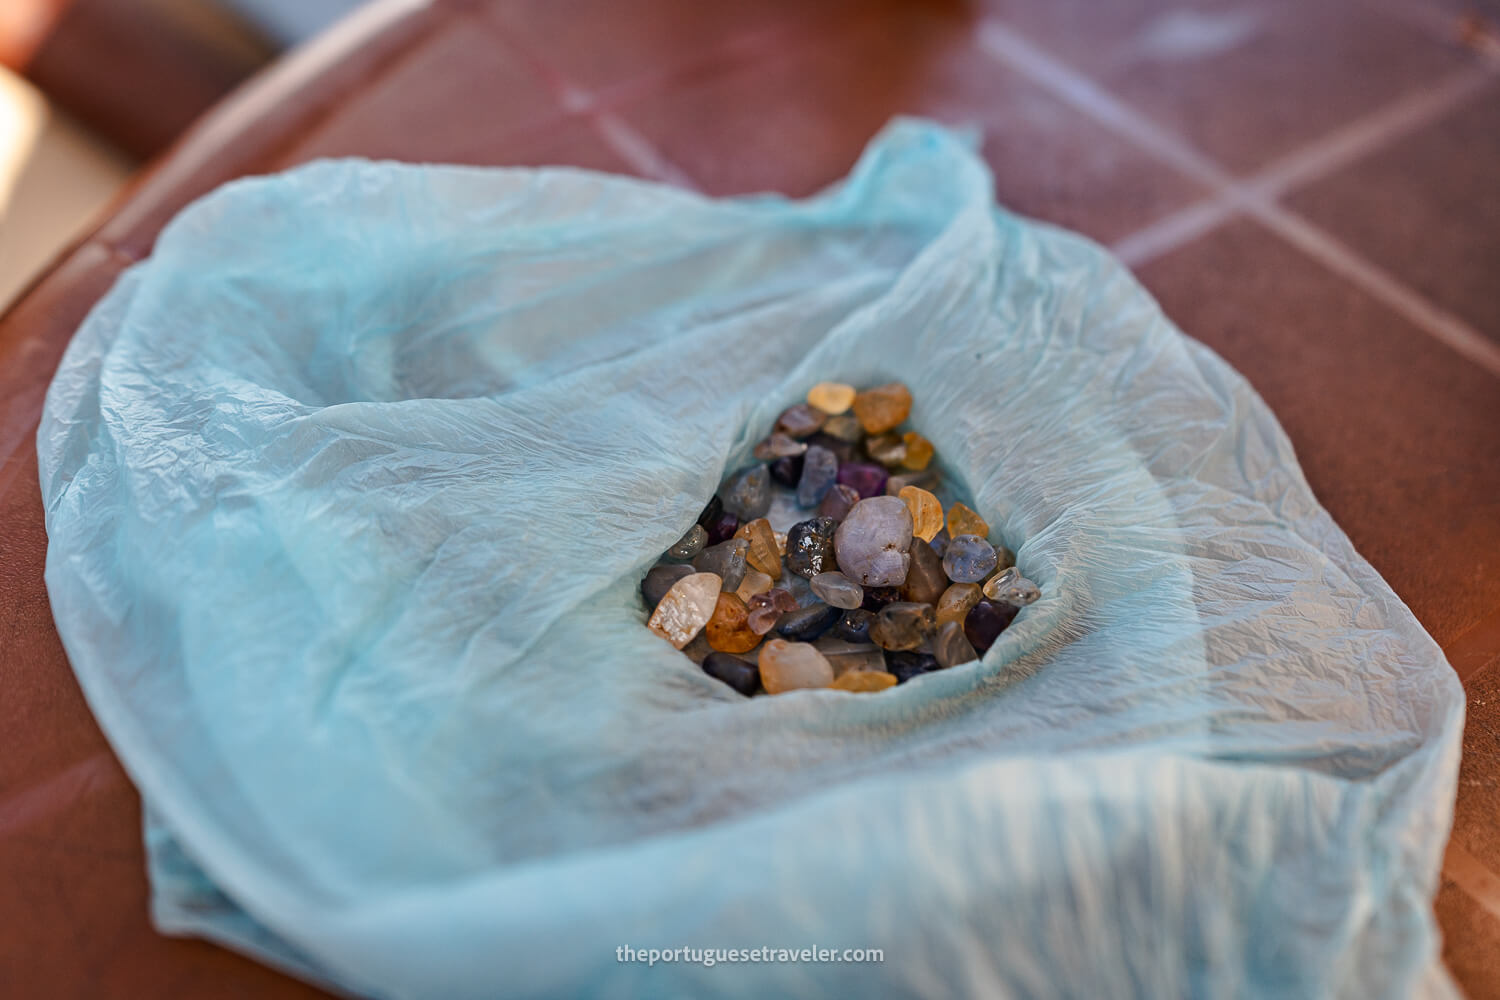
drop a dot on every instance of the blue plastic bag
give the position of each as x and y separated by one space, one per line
350 488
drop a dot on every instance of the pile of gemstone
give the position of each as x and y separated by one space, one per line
877 586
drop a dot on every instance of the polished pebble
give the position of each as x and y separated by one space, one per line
845 427
926 511
919 451
754 582
865 478
838 502
878 597
951 646
865 681
810 546
765 609
739 674
956 601
969 559
902 625
1011 587
831 397
985 622
906 665
790 666
819 471
873 542
963 520
689 545
762 554
887 449
854 626
844 451
788 470
838 590
686 608
926 579
727 559
722 528
779 446
748 493
806 624
659 580
846 656
727 630
799 421
883 407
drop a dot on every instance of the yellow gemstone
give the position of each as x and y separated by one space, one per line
831 397
865 680
963 521
686 608
926 512
762 554
919 451
883 407
755 582
728 630
956 602
780 542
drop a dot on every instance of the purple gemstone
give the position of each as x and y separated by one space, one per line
867 480
722 528
985 622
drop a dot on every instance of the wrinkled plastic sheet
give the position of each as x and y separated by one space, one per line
350 486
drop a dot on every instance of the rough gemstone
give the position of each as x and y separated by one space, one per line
878 597
659 580
866 478
926 511
873 542
686 608
799 421
969 559
739 674
902 625
689 545
1010 587
939 541
755 582
842 450
906 665
722 528
810 546
787 471
711 511
894 485
762 554
781 543
926 579
919 451
806 624
883 407
831 397
788 666
956 601
727 630
838 502
748 493
986 621
854 626
765 609
819 470
951 646
1004 557
887 449
865 681
727 559
779 446
845 427
796 584
846 656
838 590
963 520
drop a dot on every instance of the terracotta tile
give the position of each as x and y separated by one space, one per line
411 111
1395 432
1471 942
1474 817
1428 210
1245 83
798 123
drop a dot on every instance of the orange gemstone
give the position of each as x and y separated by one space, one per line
964 521
831 397
763 554
865 681
919 451
728 630
956 602
883 407
926 512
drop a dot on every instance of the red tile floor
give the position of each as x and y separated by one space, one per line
1308 186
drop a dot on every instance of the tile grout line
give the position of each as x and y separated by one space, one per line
638 151
1231 196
